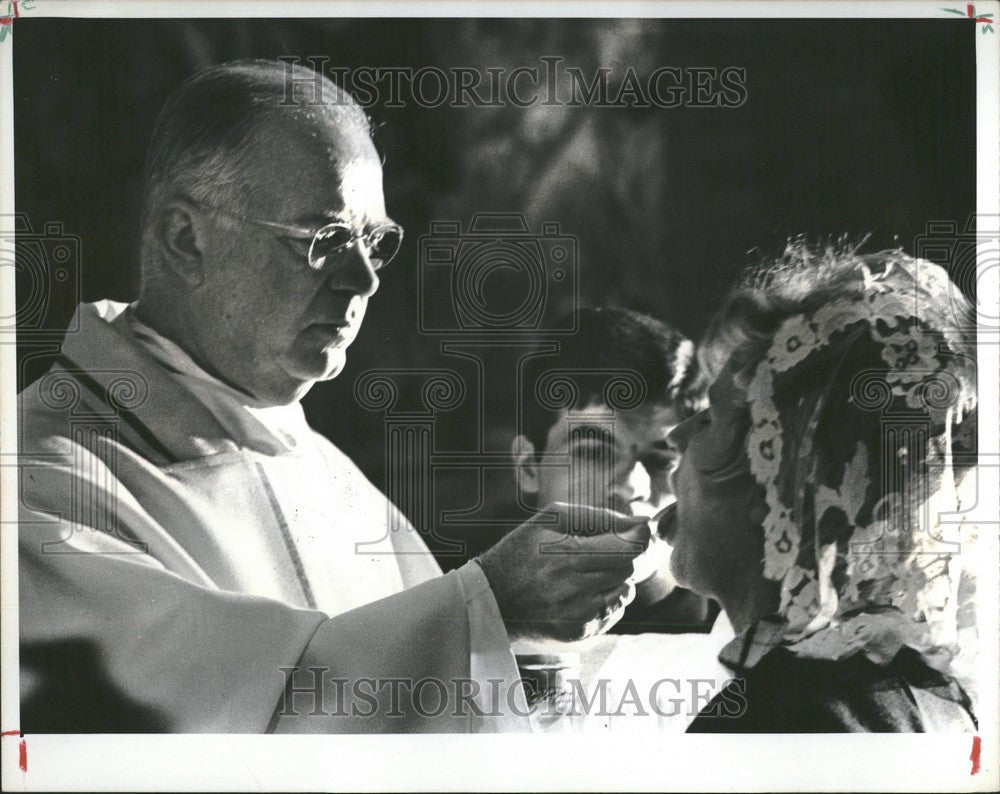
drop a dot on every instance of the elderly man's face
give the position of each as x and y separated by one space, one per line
270 325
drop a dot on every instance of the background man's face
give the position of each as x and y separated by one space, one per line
620 460
271 325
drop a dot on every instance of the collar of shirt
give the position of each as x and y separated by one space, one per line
272 429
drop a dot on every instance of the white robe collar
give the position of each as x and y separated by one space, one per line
271 429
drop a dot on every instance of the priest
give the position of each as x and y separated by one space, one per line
193 557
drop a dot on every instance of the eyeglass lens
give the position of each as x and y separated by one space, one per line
382 243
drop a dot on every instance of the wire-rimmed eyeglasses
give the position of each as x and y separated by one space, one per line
381 241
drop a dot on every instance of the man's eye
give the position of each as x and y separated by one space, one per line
333 237
298 244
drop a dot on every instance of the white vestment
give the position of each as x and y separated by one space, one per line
183 554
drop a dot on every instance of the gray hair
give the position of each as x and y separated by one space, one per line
201 143
808 276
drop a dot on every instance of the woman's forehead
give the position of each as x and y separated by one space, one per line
724 389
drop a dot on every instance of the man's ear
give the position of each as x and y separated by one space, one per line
522 452
179 232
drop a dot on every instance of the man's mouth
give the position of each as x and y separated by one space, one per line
335 332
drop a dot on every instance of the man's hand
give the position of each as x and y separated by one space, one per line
569 579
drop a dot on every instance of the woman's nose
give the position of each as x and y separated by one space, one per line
355 272
681 434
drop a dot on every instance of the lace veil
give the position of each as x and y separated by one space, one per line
862 405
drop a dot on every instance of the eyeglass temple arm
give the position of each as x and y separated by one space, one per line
307 233
297 231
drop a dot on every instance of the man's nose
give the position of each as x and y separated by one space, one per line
355 272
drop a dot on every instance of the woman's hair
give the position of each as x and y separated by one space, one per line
859 375
808 276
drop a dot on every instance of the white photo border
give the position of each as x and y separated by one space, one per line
537 762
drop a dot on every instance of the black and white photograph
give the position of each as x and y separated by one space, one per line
467 397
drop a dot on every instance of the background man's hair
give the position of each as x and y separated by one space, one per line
616 339
200 145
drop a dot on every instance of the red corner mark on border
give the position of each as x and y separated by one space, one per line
22 749
970 13
8 21
977 746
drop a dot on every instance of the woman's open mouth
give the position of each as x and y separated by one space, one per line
664 523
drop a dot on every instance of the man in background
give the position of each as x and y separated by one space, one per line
632 379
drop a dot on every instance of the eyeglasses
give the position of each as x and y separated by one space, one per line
381 242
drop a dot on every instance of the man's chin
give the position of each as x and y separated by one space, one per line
335 365
299 376
323 365
339 362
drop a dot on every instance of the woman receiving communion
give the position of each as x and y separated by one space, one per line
820 496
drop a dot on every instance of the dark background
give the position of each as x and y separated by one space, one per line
850 127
